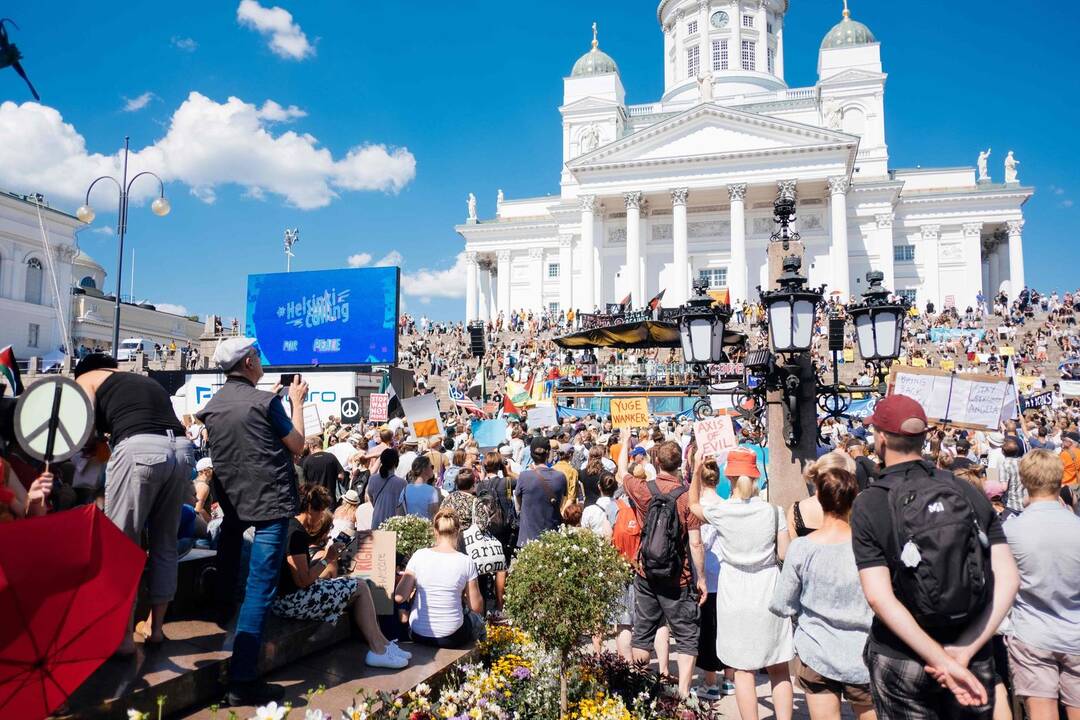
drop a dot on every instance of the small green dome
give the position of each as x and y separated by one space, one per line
594 62
848 33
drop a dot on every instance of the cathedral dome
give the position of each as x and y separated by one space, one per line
594 62
848 33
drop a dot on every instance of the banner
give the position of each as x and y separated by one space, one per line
715 435
376 560
542 416
378 407
1043 399
422 412
946 334
489 433
1070 388
629 413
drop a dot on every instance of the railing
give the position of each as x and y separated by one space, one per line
637 374
808 93
642 110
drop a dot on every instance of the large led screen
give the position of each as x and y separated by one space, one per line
325 317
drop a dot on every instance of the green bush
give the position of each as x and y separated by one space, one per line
413 533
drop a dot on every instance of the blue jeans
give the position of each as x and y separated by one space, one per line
264 569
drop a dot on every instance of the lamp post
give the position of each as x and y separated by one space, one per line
86 214
291 238
701 333
879 324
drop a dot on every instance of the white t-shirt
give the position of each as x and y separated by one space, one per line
596 517
440 580
342 451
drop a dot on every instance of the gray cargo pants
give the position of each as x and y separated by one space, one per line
147 480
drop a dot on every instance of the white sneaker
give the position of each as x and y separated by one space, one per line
387 660
393 647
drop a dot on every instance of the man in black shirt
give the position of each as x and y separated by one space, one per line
322 468
917 672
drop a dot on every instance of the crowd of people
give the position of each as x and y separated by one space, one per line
930 573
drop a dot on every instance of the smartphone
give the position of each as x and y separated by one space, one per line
343 539
286 379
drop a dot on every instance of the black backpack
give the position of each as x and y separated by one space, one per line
503 518
663 549
943 574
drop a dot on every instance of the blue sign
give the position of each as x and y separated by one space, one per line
946 334
325 317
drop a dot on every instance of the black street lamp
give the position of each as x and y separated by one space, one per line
702 326
86 214
791 310
879 324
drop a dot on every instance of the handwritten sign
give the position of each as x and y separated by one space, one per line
715 436
629 413
378 407
376 560
1043 399
970 401
312 425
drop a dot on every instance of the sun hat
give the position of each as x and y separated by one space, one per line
741 461
995 439
351 498
899 415
204 464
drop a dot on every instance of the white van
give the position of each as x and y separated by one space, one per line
131 346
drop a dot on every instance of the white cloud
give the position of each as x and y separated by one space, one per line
426 284
287 40
104 230
1067 203
390 259
359 260
170 308
207 144
274 112
138 103
1057 190
184 43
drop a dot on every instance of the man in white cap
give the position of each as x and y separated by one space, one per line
253 441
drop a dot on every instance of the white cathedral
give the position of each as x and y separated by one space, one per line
654 196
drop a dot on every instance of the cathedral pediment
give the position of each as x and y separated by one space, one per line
711 132
853 76
588 104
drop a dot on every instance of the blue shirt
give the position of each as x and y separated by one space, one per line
279 418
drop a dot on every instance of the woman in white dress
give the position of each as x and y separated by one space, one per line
753 536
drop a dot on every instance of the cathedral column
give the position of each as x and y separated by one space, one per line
841 272
483 291
779 60
633 248
681 251
503 279
587 296
1016 258
737 268
929 249
537 257
761 21
566 273
886 254
986 288
471 289
972 254
996 276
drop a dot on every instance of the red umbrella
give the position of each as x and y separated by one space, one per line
67 583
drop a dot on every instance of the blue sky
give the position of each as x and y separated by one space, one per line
385 115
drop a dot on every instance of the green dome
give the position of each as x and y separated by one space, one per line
848 33
594 62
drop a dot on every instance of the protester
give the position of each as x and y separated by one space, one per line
600 516
539 494
204 494
1044 650
806 516
384 488
707 661
928 658
322 467
252 441
148 476
420 497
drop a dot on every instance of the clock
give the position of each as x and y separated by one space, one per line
719 19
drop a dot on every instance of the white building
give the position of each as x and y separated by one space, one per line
28 299
653 196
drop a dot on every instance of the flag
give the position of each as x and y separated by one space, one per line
624 304
508 407
9 370
1010 409
517 394
721 296
655 302
464 402
529 383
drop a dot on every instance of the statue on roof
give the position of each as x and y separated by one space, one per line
705 86
1010 169
472 207
984 156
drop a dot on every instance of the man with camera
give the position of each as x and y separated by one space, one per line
253 442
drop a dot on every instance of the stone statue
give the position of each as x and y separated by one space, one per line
472 208
705 86
500 197
1010 169
832 114
984 156
590 139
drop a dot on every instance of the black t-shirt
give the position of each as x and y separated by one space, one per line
297 542
874 542
590 483
866 472
127 404
323 468
540 492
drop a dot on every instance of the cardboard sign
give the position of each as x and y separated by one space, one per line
543 416
629 413
948 365
312 424
422 412
715 436
849 355
974 402
1043 399
489 433
376 560
378 407
1007 351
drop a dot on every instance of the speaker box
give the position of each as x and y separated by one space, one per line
836 334
476 339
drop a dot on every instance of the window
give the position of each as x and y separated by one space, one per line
719 55
772 61
693 61
88 282
715 277
33 335
691 27
748 21
903 253
749 55
34 279
553 270
768 27
908 295
553 307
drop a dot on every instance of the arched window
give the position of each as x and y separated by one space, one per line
88 282
35 279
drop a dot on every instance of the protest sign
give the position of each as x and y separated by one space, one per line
1043 399
489 433
542 416
1007 351
376 560
629 413
849 355
948 365
715 435
1070 388
378 407
422 412
312 424
974 402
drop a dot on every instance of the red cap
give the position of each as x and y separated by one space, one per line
899 415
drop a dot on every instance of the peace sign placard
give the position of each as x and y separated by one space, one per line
53 419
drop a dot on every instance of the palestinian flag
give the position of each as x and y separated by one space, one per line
508 406
9 371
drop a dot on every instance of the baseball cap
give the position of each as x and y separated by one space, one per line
638 451
540 443
899 415
230 352
203 464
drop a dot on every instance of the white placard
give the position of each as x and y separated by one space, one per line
312 425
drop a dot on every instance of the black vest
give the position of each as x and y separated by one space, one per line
254 476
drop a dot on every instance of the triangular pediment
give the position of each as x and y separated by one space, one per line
711 131
586 104
853 75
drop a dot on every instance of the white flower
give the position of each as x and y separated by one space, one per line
352 713
134 714
270 712
315 715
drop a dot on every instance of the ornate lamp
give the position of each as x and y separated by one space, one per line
879 324
791 310
701 327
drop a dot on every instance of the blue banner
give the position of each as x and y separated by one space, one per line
489 433
946 334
